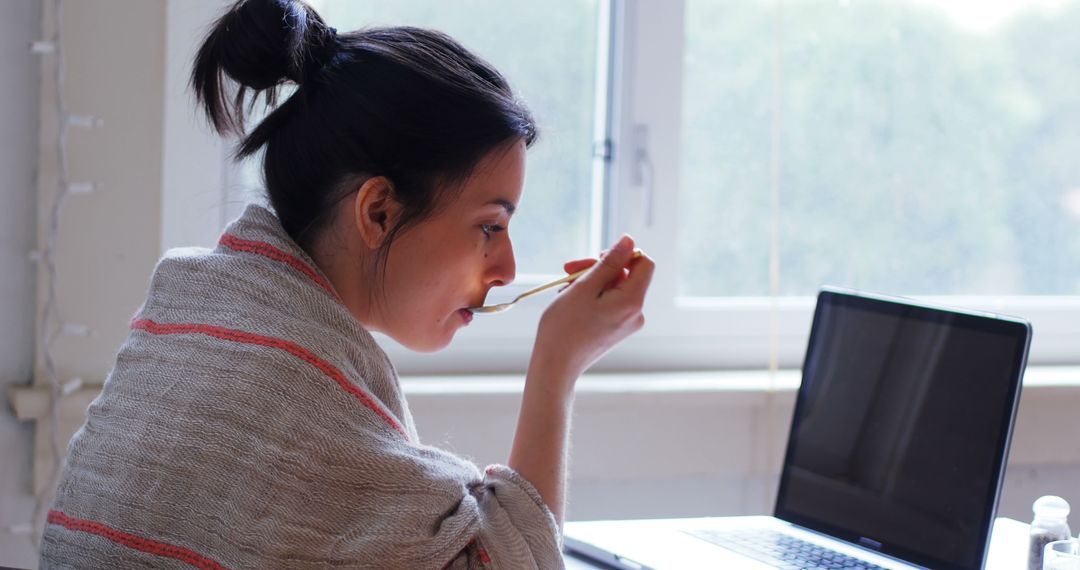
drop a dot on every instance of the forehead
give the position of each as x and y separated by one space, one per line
497 180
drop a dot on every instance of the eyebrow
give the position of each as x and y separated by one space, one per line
506 204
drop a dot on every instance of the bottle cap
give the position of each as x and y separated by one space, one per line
1051 506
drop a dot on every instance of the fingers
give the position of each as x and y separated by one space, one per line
579 264
643 271
641 274
611 266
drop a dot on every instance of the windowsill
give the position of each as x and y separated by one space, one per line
759 381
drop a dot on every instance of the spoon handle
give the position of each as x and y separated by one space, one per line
568 279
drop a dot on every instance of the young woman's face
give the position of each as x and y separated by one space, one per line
450 261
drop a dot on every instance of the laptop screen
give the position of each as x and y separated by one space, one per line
901 427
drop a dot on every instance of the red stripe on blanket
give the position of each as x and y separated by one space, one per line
288 346
266 250
480 553
134 541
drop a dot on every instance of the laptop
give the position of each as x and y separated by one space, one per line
895 457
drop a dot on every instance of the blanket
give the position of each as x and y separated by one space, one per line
250 421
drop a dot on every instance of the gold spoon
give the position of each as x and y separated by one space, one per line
491 309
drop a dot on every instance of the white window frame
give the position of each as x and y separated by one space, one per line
636 188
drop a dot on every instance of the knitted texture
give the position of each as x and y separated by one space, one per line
250 421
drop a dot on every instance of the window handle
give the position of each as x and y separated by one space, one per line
642 170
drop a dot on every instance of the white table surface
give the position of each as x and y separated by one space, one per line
1008 548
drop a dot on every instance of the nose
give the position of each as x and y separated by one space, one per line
502 267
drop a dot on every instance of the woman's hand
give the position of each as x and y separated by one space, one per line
596 312
588 317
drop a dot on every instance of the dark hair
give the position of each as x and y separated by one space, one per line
406 103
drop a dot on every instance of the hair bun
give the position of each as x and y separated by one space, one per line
259 44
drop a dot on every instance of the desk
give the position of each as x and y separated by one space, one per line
1008 548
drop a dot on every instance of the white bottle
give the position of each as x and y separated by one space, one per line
1050 524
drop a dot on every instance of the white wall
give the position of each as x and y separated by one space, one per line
19 70
699 444
109 240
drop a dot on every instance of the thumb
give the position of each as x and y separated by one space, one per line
610 266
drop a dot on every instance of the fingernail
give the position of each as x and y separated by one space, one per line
623 244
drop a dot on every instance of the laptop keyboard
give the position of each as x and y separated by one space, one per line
781 550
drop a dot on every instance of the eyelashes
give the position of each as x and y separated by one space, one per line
489 229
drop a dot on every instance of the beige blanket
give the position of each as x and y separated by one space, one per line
251 422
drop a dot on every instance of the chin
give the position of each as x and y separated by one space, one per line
429 348
425 339
427 345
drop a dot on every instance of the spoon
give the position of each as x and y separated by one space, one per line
492 309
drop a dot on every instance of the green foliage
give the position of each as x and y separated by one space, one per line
915 157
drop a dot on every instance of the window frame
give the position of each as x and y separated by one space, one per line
747 332
636 155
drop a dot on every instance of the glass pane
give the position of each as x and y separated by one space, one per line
926 147
547 51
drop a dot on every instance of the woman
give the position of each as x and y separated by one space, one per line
251 421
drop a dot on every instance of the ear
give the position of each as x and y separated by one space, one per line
375 210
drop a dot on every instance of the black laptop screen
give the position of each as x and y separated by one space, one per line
901 428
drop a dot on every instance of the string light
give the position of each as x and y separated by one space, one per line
85 121
71 386
52 325
82 187
75 329
42 47
21 528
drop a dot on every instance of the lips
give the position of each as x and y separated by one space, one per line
466 315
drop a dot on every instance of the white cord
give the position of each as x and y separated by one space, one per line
52 325
50 314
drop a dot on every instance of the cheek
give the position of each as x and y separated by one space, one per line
433 298
432 289
452 289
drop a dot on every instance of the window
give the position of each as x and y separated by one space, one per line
923 148
909 147
762 148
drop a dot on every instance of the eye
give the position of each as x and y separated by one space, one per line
489 229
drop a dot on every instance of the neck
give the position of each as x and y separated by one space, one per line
350 270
